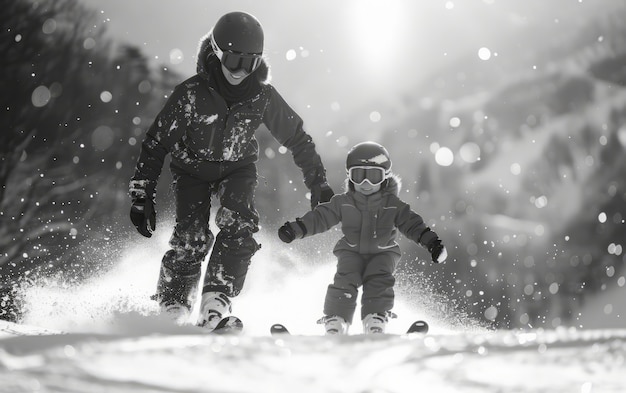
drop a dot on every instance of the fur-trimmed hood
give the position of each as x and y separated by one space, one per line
205 60
393 185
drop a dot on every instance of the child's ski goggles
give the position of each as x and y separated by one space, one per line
375 175
236 61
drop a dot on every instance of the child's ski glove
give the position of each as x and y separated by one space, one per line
320 193
437 251
143 216
291 231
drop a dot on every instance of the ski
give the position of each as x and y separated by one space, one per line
418 327
228 325
278 329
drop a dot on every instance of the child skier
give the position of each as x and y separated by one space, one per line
208 128
370 213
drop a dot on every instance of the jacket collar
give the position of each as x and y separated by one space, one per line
367 202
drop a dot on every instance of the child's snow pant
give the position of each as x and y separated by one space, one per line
374 272
234 185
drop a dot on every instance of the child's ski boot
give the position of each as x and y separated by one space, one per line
334 324
374 323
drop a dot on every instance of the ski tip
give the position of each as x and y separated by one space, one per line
278 328
229 325
418 327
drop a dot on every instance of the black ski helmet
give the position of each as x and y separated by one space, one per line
369 154
239 32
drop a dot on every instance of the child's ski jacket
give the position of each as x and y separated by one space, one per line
369 223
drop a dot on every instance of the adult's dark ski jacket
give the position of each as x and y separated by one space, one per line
198 125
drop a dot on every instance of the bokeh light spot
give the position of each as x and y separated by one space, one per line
41 96
484 53
176 56
102 138
89 43
49 26
470 152
444 157
491 313
106 96
516 169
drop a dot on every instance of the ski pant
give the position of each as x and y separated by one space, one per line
372 271
234 185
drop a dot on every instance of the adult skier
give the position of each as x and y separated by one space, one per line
208 127
370 213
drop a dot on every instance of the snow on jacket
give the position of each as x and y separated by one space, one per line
369 223
197 126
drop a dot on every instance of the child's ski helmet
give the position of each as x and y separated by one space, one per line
239 32
369 154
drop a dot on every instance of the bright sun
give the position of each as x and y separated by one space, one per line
380 30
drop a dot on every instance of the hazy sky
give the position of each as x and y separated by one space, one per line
330 57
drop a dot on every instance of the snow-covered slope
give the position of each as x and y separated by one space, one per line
504 361
115 342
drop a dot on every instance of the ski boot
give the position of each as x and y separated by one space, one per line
173 310
334 324
213 307
374 323
178 313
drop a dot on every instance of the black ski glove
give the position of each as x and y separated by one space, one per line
320 193
143 216
291 231
437 251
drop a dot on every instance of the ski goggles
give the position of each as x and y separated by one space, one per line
236 61
375 175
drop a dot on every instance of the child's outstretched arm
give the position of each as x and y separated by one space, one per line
412 225
320 219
